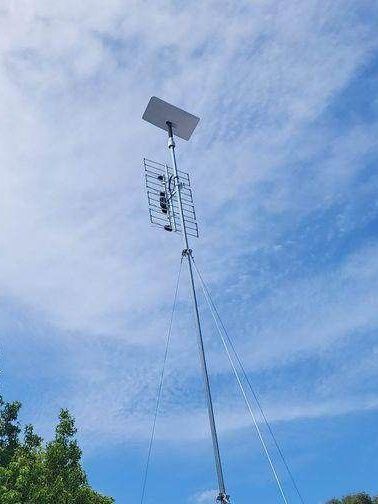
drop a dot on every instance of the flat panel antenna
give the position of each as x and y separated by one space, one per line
160 114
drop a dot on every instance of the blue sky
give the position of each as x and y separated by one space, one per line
283 165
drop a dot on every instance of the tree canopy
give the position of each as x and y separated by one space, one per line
32 472
359 498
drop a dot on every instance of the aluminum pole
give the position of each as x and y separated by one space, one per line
222 497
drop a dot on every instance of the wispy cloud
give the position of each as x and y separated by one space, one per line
280 185
205 497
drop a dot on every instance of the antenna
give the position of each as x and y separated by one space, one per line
171 207
162 196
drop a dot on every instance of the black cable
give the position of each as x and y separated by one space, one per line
160 387
267 423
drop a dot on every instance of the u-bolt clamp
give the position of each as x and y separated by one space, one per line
186 252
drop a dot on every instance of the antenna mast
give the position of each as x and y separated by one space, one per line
171 207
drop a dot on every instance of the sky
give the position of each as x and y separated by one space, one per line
283 168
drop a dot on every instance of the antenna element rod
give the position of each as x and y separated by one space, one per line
223 498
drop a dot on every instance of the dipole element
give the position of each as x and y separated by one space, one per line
222 497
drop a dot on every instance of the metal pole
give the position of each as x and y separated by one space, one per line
222 497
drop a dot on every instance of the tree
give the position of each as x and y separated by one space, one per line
9 430
359 498
34 473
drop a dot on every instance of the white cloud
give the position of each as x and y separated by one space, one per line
76 255
205 497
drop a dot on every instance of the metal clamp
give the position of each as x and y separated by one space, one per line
187 252
223 498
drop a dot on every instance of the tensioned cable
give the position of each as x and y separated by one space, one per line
263 444
160 386
256 398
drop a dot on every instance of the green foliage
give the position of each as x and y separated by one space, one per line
34 473
9 430
360 498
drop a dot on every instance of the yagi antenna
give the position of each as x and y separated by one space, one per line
170 204
162 196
